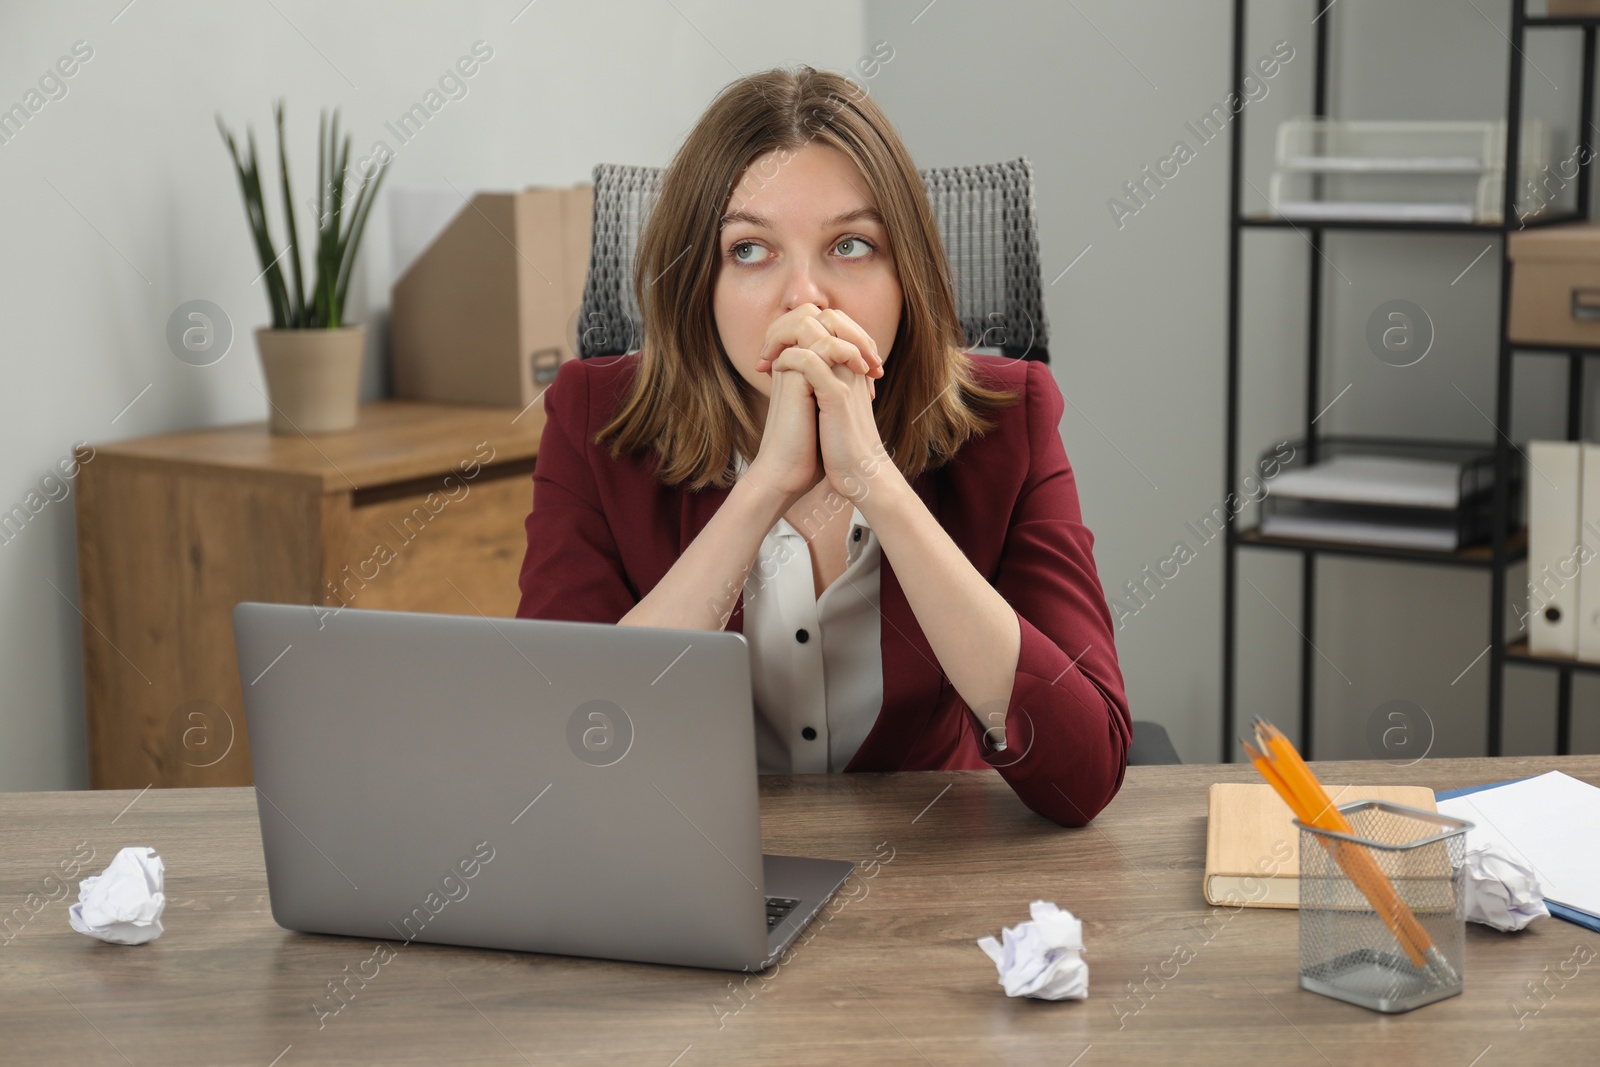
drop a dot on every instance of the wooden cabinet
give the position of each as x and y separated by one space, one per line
421 507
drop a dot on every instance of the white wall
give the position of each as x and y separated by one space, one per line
122 205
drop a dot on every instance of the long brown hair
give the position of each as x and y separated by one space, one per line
687 401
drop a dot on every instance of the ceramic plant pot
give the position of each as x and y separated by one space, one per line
313 377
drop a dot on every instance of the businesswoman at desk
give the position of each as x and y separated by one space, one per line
802 452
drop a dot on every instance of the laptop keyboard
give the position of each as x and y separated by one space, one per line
778 909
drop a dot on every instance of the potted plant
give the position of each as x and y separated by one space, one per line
310 357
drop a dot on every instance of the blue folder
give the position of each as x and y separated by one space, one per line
1560 911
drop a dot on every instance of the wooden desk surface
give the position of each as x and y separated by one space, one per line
888 974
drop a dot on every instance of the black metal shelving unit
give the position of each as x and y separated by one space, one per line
1506 546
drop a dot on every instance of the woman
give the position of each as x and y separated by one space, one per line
803 453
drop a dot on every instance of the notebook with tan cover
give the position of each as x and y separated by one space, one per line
1252 843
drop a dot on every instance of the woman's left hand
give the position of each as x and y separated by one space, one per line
847 433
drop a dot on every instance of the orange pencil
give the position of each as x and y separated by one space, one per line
1362 866
1282 767
1313 812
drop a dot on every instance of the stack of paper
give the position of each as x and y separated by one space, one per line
1379 500
1421 483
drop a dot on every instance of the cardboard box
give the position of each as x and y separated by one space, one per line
1573 8
1555 286
488 312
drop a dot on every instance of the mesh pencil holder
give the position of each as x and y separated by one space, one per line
1357 943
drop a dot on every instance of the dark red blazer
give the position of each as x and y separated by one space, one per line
603 532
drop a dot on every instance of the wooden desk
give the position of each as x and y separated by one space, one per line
889 974
419 508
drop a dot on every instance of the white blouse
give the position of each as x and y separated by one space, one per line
816 663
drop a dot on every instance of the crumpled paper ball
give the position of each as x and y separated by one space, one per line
123 903
1041 958
1500 890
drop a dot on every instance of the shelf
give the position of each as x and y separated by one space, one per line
1517 652
1473 556
1264 216
1540 348
1555 218
1273 222
1540 22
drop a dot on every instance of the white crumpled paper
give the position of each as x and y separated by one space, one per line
123 903
1500 890
1040 958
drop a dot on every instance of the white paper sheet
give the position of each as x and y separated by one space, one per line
1359 532
1551 822
1398 480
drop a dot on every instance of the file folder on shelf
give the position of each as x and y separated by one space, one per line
1586 616
1555 481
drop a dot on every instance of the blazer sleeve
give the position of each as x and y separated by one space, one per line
1068 728
572 569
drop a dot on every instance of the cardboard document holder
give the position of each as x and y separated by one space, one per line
488 312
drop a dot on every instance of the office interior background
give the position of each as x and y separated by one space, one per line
122 204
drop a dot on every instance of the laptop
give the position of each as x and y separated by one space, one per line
539 786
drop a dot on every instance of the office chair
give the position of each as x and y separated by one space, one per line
985 218
986 221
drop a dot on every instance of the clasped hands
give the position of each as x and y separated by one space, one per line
819 412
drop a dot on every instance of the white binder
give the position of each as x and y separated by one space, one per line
1555 480
1588 617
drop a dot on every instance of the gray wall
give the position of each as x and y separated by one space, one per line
122 205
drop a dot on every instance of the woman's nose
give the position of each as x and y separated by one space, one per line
802 287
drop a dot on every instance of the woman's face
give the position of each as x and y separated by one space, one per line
801 228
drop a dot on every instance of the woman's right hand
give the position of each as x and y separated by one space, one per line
789 461
790 458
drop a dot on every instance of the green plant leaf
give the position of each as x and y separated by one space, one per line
341 219
297 294
358 223
335 239
272 270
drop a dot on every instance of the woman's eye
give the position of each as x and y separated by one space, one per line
852 248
